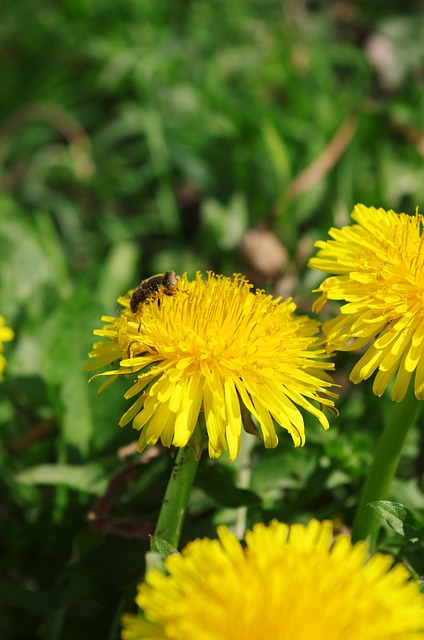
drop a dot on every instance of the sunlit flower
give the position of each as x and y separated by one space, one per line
378 267
287 583
6 335
213 349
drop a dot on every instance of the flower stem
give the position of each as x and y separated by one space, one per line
377 485
177 494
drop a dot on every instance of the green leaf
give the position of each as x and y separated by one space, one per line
160 550
30 263
162 547
89 478
226 223
277 153
400 519
119 265
67 340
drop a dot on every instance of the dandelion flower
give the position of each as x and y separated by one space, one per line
6 335
215 348
378 270
287 583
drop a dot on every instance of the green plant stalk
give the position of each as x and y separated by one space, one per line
383 469
177 494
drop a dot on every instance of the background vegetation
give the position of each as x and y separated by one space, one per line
137 136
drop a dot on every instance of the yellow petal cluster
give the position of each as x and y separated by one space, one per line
287 583
211 352
6 335
377 268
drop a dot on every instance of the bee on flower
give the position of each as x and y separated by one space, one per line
208 352
152 287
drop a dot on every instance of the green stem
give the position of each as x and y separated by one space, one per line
177 494
383 469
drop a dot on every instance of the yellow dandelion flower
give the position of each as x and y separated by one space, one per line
287 583
378 269
215 347
6 335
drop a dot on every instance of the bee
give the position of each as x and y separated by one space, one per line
166 283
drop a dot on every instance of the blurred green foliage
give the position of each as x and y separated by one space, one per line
138 136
